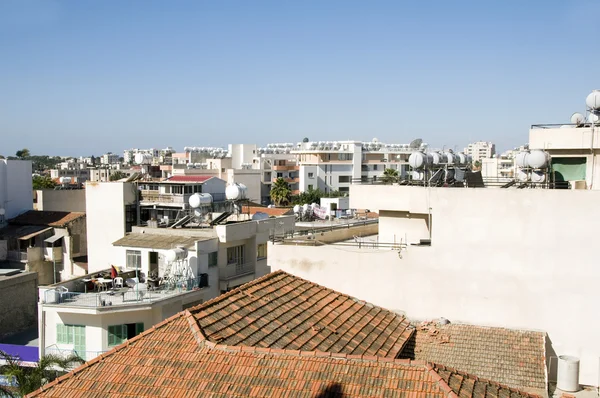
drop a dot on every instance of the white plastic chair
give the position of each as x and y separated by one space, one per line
118 282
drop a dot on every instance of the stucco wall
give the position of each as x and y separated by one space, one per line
16 194
105 208
61 200
18 294
513 258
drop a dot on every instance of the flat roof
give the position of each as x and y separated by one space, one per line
159 241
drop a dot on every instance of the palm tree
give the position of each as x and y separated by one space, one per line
390 176
117 175
281 192
29 379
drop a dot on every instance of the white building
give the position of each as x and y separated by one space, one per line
109 158
16 193
480 150
495 257
334 166
75 318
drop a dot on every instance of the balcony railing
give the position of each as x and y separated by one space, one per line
231 271
121 296
288 167
65 353
287 179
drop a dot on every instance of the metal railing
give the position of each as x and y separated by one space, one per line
278 235
122 296
65 353
235 270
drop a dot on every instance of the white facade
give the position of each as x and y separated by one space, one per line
480 150
109 158
498 257
16 193
106 207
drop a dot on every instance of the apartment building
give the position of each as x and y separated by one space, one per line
480 150
162 271
16 192
334 166
109 158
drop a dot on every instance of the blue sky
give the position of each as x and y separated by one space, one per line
86 77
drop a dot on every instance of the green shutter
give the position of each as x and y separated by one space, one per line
569 169
79 340
112 337
139 328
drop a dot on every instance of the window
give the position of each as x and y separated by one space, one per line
76 243
213 259
374 167
310 187
189 189
311 175
344 156
130 217
153 187
235 255
344 189
134 259
261 251
279 175
119 333
344 178
177 189
72 335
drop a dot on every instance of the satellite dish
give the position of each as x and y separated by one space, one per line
577 118
416 144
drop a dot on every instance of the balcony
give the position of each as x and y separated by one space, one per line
288 180
66 353
154 196
286 168
232 271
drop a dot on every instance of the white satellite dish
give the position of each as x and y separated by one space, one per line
577 118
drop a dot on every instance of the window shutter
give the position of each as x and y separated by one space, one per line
139 328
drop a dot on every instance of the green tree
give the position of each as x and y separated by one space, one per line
23 153
42 182
29 379
477 165
281 192
117 175
390 176
2 157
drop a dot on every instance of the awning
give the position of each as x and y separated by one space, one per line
36 233
58 234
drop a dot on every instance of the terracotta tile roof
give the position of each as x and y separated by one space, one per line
515 358
57 219
173 359
274 211
283 311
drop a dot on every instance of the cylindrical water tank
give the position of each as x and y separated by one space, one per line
143 158
538 176
522 176
200 199
437 158
450 158
461 159
568 373
418 175
175 254
65 180
306 207
593 118
418 160
297 209
593 100
521 159
538 159
236 191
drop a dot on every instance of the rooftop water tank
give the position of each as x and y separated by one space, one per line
418 160
437 158
65 180
177 254
538 176
297 209
200 199
568 373
236 191
521 159
593 118
461 158
143 158
450 158
522 176
538 159
418 175
593 100
577 118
